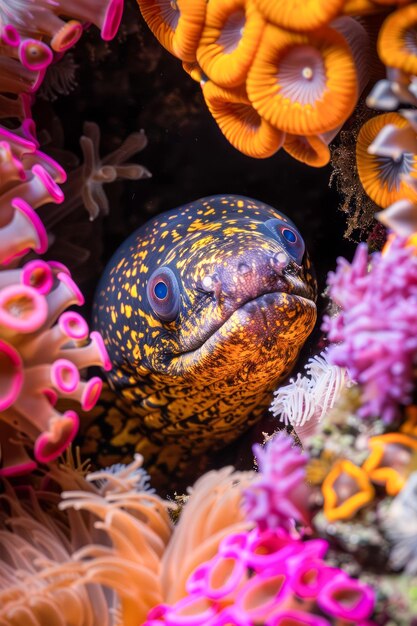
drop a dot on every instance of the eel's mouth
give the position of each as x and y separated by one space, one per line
259 324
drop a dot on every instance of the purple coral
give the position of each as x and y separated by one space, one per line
279 496
375 333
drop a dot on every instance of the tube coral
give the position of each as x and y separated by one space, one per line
44 19
42 347
40 360
267 577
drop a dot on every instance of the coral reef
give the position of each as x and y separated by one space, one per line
268 76
89 564
319 535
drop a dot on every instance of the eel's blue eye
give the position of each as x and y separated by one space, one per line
164 294
160 290
289 235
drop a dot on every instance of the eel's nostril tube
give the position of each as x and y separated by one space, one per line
279 261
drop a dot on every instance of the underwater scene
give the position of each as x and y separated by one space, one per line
208 312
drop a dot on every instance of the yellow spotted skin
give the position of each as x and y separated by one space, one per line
189 385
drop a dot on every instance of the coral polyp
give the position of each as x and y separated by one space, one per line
302 69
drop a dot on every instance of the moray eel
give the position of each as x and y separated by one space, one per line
203 311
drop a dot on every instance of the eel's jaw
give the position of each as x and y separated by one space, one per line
260 340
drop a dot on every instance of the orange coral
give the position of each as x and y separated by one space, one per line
177 24
360 7
410 425
240 123
390 460
303 84
396 46
382 176
310 149
193 70
229 40
300 15
346 489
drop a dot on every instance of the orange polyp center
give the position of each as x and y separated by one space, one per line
37 277
265 593
222 572
19 307
345 487
310 577
232 32
347 597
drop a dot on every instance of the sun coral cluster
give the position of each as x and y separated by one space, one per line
273 74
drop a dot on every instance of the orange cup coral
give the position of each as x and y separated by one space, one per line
346 489
229 41
303 84
382 176
396 37
300 15
240 123
176 24
310 149
390 460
